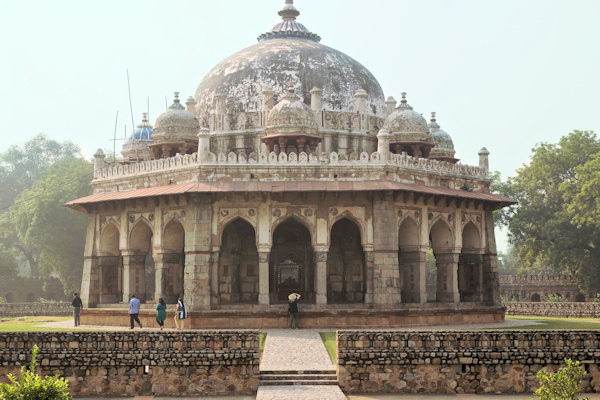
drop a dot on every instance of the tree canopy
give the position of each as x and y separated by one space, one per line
554 227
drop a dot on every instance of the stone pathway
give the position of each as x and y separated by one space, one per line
300 355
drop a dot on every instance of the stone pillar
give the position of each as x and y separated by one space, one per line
98 161
196 284
342 143
190 105
470 277
321 276
360 108
386 276
90 294
263 278
134 278
383 144
484 162
491 284
214 276
267 104
203 145
221 112
390 106
413 265
161 277
369 268
447 278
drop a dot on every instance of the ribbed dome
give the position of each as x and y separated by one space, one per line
406 122
444 147
291 115
136 147
294 53
176 124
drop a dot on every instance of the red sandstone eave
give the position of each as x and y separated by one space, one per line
83 204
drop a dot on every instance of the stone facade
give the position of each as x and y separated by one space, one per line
339 206
460 362
35 309
132 364
540 287
559 310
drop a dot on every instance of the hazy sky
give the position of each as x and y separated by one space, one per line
501 74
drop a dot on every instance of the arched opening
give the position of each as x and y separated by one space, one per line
580 298
535 297
345 264
170 268
139 276
291 265
442 243
411 262
110 266
470 265
238 264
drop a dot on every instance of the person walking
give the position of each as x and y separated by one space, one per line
161 313
134 310
180 314
77 306
293 309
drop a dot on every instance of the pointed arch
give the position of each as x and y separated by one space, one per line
238 263
409 234
471 238
173 236
411 262
310 229
140 236
110 265
441 235
227 221
345 263
359 224
109 240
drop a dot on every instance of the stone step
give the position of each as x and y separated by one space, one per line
300 372
298 377
298 383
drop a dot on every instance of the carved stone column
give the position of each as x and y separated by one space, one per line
321 276
263 278
447 278
369 275
214 277
412 267
470 277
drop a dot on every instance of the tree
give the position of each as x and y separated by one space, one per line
52 232
548 226
8 263
564 384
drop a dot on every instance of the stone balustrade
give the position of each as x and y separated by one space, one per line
553 309
35 309
284 159
460 362
197 363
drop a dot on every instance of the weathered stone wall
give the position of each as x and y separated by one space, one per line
35 309
460 362
539 287
23 289
140 363
560 310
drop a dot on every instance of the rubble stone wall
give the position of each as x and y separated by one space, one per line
35 309
460 362
560 310
140 363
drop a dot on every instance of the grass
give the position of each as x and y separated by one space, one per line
330 340
29 324
550 323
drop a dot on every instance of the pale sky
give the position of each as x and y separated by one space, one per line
504 75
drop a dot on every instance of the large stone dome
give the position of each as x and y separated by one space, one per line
288 52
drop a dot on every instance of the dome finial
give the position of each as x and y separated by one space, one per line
288 27
289 12
176 105
433 125
291 92
403 103
176 100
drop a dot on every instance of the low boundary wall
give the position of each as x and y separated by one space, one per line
551 309
460 362
140 363
35 309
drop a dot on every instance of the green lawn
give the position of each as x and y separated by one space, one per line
29 325
549 323
330 340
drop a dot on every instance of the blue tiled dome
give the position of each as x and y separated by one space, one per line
136 145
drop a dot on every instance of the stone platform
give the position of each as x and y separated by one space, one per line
276 317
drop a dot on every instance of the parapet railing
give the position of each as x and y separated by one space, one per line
283 159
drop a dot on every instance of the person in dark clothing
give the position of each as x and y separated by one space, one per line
293 310
77 306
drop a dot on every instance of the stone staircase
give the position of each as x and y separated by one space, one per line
294 378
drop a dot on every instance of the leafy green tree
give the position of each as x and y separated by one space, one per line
31 386
54 233
544 227
8 263
565 384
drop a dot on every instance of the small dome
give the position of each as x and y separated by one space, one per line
291 115
176 121
405 121
136 145
444 147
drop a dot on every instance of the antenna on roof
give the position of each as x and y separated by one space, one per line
130 106
148 106
166 108
115 139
